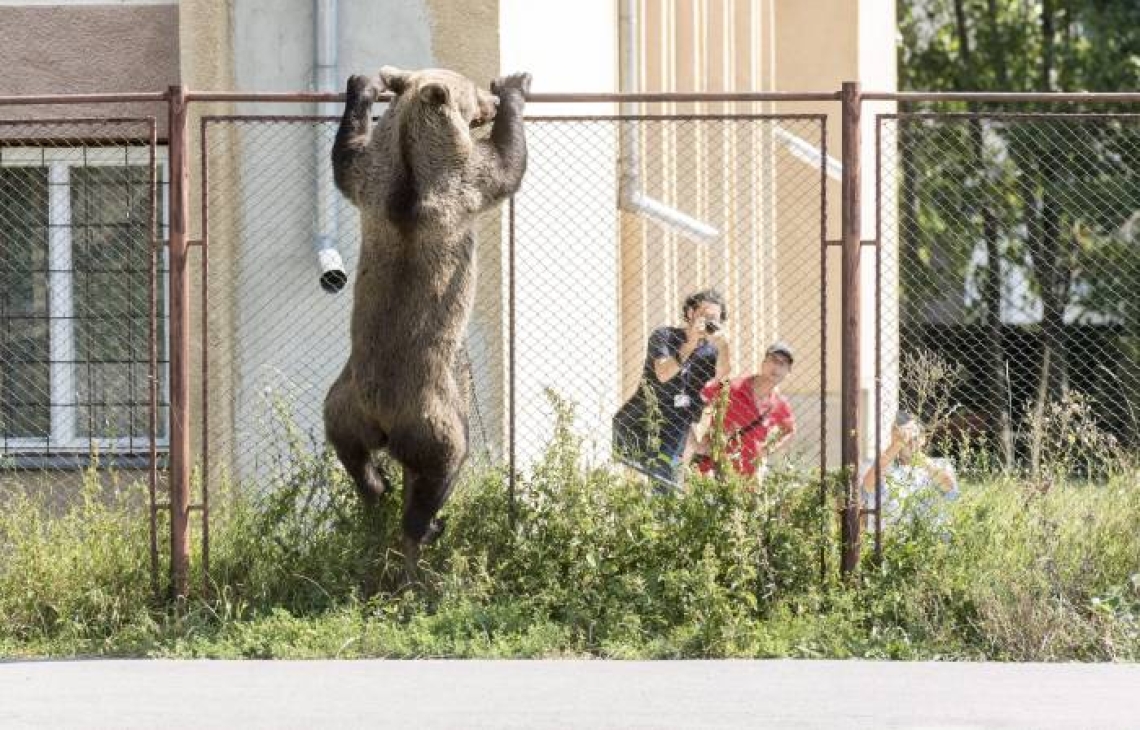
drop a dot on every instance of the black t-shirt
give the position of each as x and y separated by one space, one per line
679 397
653 433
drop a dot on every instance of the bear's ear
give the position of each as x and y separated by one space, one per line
435 94
394 79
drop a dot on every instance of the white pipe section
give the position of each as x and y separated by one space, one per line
329 262
686 225
630 195
805 151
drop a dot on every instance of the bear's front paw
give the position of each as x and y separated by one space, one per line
362 88
520 81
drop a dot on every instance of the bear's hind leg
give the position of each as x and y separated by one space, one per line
432 453
357 461
354 439
424 495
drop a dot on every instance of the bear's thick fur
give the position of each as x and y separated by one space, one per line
419 179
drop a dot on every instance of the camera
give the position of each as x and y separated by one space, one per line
711 327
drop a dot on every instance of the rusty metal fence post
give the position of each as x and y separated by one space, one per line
179 142
850 294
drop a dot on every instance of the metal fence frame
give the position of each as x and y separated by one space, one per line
850 97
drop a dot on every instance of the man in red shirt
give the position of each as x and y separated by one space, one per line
758 420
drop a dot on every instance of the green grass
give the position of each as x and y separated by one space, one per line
1014 570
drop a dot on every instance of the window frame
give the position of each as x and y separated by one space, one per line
64 440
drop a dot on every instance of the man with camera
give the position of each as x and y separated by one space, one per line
652 427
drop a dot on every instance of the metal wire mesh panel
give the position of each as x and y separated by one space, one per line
619 221
573 276
274 339
1016 334
82 302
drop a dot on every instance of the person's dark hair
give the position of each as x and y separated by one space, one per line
712 296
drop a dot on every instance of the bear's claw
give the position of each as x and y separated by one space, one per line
520 81
435 529
362 88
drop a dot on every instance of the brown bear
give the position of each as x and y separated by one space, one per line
419 179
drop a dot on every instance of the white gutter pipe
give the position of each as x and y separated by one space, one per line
631 196
332 274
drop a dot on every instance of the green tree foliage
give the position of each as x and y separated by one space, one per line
1094 45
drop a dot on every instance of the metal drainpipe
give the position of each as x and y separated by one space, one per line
329 262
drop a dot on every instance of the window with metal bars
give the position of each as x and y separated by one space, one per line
76 284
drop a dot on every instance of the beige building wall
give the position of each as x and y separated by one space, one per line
206 62
819 45
718 171
87 49
764 193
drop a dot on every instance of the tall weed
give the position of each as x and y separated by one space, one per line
79 576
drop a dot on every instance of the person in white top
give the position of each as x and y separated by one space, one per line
907 474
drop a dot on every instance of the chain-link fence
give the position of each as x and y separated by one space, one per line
1017 273
619 223
276 331
1016 340
997 293
619 219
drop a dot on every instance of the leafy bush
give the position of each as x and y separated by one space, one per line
592 564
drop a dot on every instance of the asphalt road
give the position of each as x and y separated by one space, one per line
566 694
